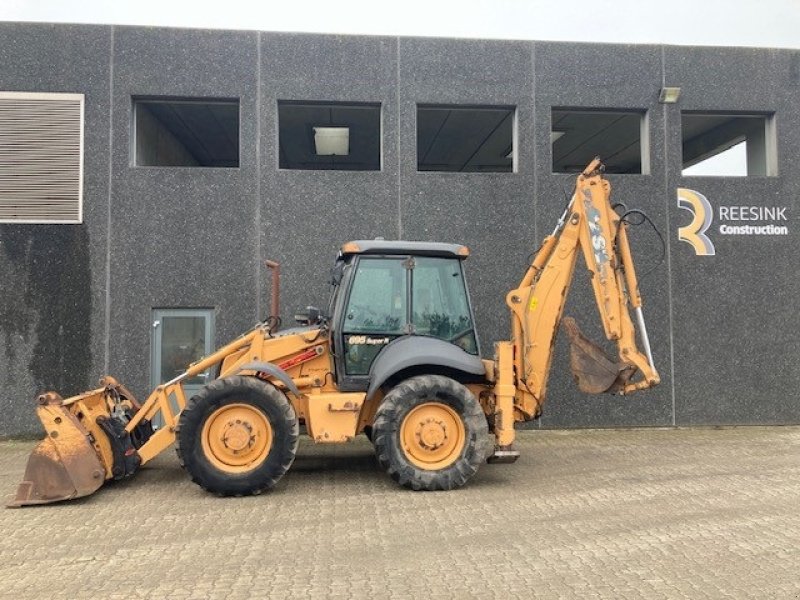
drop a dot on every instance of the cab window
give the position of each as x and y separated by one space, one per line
439 302
376 311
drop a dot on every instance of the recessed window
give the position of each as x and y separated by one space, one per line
180 336
185 132
728 145
467 139
41 157
618 137
329 136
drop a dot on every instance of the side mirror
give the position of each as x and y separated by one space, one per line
336 272
311 316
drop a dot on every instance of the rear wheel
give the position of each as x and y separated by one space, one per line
430 433
237 437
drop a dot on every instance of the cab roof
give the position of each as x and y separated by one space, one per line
405 247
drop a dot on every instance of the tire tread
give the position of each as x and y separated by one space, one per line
387 422
285 427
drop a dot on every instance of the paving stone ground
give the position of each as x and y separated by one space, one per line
623 514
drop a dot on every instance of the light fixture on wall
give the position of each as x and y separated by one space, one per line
332 141
669 95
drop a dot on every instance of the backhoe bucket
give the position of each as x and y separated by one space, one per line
65 465
594 371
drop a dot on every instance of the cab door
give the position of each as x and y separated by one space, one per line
375 312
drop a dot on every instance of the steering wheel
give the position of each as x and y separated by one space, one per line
459 335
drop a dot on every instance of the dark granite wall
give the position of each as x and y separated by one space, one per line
53 277
723 328
736 316
306 215
183 236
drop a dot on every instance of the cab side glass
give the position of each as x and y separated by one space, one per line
439 302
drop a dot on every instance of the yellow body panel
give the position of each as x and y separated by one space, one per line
333 417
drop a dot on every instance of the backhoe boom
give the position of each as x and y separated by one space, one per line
589 224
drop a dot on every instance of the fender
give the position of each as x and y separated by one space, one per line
410 351
273 371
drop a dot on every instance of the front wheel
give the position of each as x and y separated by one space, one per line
238 436
430 433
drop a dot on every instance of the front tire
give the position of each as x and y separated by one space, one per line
430 433
237 437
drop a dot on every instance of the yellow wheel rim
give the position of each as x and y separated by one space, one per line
236 438
433 436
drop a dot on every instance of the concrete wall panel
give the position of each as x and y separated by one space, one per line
52 295
182 236
307 215
612 77
735 319
493 213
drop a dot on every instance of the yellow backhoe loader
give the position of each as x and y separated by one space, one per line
395 356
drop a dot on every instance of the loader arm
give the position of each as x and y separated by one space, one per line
171 395
104 434
589 224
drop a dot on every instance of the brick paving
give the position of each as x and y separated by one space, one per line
623 514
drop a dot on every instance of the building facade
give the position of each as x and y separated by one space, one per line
199 154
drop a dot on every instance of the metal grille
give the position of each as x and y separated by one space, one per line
41 158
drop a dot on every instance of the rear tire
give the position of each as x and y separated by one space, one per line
430 433
237 437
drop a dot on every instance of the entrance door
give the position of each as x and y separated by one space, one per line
181 336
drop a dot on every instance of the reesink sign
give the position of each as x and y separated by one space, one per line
733 220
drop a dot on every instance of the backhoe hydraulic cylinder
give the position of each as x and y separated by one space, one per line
645 338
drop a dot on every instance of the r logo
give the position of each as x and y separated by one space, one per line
695 232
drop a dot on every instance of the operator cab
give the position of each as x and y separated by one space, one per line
385 290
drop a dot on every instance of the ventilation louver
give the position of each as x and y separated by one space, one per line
41 157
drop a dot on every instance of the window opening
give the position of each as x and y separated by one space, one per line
466 139
329 136
618 137
728 144
185 132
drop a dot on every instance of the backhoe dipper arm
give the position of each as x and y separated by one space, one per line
537 305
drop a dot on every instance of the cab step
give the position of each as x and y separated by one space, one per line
503 455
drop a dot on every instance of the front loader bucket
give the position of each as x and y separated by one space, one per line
594 371
65 465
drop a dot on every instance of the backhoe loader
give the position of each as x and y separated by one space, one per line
395 356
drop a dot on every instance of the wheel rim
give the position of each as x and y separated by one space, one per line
433 436
236 438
